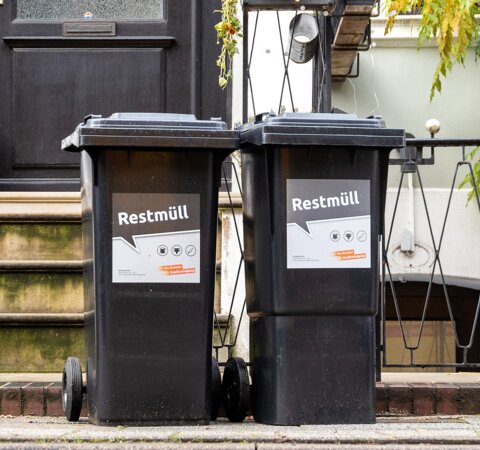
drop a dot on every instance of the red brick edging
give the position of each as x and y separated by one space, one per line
422 399
32 399
427 399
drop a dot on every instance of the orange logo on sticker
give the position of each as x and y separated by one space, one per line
176 269
348 255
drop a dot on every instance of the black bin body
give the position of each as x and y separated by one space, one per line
314 192
149 207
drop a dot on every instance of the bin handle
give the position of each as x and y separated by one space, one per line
91 116
262 116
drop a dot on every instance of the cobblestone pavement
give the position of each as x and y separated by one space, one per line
388 433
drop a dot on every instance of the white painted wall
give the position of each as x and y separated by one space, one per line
459 255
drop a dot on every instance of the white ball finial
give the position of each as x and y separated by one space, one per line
432 126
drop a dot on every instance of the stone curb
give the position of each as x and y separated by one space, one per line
396 399
33 399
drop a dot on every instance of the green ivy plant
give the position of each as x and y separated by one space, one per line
468 181
229 30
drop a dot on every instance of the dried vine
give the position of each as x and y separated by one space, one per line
229 30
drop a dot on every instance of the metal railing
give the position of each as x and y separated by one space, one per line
410 164
411 161
227 333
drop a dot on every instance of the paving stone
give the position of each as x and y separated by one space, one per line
53 400
447 395
11 396
400 399
469 398
33 399
84 410
419 399
381 405
423 399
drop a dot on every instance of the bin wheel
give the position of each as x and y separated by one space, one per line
235 389
72 389
216 390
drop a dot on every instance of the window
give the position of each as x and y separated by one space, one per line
90 9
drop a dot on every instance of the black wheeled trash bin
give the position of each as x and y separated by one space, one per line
314 191
149 205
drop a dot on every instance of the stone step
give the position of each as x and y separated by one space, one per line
41 290
41 286
39 347
41 314
40 342
49 241
40 226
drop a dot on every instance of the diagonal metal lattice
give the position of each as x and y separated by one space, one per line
286 51
411 345
223 335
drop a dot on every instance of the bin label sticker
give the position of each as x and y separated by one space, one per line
155 238
328 224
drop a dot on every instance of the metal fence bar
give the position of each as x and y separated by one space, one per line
412 167
388 278
223 336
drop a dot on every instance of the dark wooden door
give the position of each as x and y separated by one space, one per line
61 60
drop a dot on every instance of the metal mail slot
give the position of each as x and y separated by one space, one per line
89 28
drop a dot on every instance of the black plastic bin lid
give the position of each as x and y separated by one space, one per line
150 130
316 129
316 5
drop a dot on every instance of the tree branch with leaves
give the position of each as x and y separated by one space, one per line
454 28
451 23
